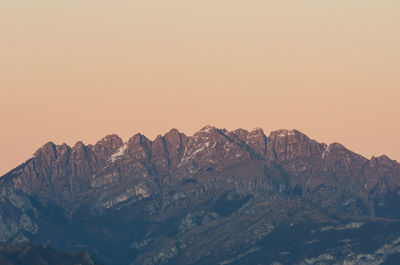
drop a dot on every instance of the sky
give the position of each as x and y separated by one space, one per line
82 69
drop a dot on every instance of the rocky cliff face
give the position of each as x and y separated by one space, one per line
216 197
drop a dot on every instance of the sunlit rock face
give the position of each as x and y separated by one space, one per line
216 197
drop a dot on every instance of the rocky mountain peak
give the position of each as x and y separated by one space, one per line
257 130
257 141
138 139
291 144
175 144
282 133
160 155
46 149
212 148
108 144
337 152
207 132
46 156
383 159
106 147
241 134
207 128
139 147
79 148
173 131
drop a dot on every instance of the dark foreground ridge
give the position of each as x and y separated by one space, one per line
217 197
27 254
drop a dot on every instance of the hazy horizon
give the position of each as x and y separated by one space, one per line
79 70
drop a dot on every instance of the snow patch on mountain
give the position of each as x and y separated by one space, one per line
325 151
119 153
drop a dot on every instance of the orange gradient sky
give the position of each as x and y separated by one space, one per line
82 69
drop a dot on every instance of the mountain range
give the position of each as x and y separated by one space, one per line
216 197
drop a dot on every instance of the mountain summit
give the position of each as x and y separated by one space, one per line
216 197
